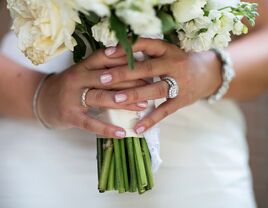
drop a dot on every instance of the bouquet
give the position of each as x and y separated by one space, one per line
48 28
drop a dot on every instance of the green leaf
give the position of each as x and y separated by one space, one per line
121 31
92 18
80 49
168 23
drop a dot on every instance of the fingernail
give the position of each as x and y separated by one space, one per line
119 98
142 105
106 78
110 51
140 130
120 134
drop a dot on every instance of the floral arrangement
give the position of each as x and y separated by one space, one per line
48 28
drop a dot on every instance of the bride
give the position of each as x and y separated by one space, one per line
203 146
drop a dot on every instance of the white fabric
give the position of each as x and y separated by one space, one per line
203 148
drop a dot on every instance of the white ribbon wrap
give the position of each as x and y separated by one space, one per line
127 120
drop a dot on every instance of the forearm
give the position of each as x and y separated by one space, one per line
250 57
17 87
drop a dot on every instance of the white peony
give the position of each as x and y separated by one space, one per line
219 4
140 15
102 33
44 28
186 10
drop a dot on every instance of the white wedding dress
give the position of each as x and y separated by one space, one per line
203 147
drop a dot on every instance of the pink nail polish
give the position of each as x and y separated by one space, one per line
140 130
106 78
120 134
110 51
142 105
119 98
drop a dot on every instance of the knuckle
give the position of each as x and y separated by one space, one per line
100 96
121 75
148 67
150 122
106 131
134 95
162 91
85 124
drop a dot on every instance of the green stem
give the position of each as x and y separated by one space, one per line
99 155
106 166
147 162
141 173
131 162
118 166
110 185
124 163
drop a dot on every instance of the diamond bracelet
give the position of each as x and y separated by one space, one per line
228 74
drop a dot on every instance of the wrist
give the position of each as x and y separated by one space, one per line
209 67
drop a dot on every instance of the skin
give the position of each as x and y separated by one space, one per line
199 76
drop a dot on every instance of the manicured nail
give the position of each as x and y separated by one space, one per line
119 98
110 51
142 105
140 130
120 134
106 78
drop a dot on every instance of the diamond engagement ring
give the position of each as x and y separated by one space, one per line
174 89
84 98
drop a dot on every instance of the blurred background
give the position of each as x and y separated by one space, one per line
256 113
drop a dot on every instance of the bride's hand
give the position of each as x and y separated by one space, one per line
198 76
60 99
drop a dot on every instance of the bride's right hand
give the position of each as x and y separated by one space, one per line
59 103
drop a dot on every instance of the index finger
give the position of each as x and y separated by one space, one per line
98 60
150 47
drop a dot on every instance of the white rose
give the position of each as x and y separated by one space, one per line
102 33
100 7
219 4
141 16
44 28
186 10
157 2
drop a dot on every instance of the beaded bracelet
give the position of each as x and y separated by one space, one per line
228 74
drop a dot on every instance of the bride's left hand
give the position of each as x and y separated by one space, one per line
198 76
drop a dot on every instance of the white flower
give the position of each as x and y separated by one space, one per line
238 28
141 16
227 21
157 2
186 10
219 4
221 40
197 35
100 7
44 28
102 33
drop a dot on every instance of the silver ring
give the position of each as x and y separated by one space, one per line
174 88
84 97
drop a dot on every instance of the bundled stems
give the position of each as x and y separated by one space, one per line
124 165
